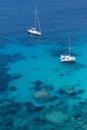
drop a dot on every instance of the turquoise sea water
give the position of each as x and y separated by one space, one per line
37 92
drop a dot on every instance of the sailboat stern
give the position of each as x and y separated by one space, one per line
34 31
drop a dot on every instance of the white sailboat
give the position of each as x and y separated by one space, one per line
67 58
36 30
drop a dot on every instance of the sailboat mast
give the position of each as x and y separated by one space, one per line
38 22
35 17
69 47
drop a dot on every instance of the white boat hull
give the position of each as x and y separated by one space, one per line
35 32
67 58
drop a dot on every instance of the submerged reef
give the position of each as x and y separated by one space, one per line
16 76
39 85
57 117
12 88
42 96
42 92
53 115
5 78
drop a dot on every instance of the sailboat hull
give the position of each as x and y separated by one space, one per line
34 32
67 58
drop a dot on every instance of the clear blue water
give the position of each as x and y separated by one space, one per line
30 64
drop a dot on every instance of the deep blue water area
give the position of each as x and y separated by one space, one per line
37 91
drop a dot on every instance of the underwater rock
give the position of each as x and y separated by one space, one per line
61 91
21 122
16 76
39 109
77 116
61 75
13 88
9 123
7 103
12 111
29 107
51 87
77 123
81 91
38 83
82 103
18 105
28 104
38 119
67 90
4 80
42 96
84 127
57 117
